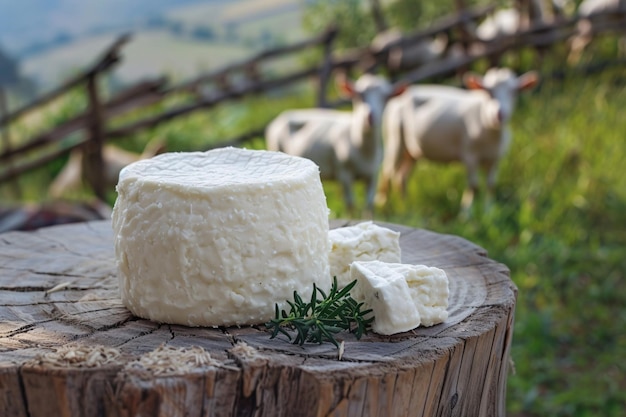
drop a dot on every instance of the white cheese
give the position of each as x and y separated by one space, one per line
217 238
429 291
365 241
401 296
387 294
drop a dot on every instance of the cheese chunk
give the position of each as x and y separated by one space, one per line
429 291
401 296
387 294
217 238
365 241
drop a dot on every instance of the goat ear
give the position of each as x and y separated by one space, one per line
399 89
346 87
527 80
473 81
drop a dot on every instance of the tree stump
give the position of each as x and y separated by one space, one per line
68 347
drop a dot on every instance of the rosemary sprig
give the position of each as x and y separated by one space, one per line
321 318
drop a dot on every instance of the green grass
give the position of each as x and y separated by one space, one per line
560 225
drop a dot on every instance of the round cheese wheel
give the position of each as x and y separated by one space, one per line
219 237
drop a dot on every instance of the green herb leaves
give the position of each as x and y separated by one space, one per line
320 319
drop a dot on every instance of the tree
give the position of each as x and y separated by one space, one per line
405 14
352 17
409 15
359 20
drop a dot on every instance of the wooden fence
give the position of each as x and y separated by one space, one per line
47 146
234 82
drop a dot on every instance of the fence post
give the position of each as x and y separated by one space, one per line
93 162
326 68
6 140
465 36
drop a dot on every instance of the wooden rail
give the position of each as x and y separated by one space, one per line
17 160
109 58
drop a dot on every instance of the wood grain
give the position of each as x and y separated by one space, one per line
457 368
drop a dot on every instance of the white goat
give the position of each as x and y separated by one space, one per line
346 145
447 124
71 176
585 25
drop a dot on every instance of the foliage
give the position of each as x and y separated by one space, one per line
406 14
409 15
320 319
356 26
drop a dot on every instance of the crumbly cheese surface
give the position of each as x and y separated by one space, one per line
387 294
217 238
402 296
429 290
365 241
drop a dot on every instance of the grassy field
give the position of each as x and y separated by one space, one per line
559 224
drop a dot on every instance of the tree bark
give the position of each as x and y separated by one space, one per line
68 347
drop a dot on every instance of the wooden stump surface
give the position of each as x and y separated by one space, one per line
77 351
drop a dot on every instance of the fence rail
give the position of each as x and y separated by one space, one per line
17 160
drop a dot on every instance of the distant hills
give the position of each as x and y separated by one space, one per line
50 39
26 24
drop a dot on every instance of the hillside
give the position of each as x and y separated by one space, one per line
150 53
178 38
